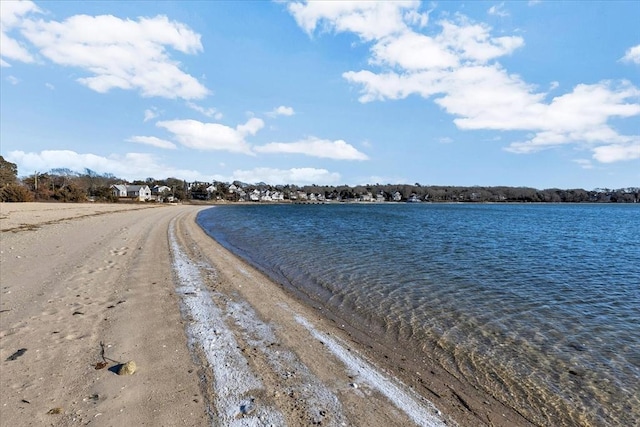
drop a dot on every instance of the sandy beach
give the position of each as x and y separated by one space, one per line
85 288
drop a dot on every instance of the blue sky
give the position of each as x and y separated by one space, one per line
540 93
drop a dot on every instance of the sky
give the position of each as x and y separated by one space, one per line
544 94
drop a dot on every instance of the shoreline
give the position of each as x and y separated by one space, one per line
408 361
287 344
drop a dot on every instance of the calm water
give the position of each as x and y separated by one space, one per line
537 304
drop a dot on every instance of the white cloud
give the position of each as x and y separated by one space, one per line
584 163
252 127
416 18
130 166
473 42
13 80
460 45
632 55
299 176
413 51
315 147
281 111
12 13
617 152
577 117
498 10
49 86
493 99
457 67
213 136
119 53
445 140
150 114
153 141
209 112
391 85
368 19
285 111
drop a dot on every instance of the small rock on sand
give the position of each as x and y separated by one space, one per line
127 368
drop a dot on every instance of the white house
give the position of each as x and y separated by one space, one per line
367 197
161 193
119 190
254 196
141 193
159 189
266 197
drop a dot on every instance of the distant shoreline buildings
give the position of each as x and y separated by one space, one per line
69 186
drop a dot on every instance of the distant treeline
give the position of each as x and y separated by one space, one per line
65 185
437 193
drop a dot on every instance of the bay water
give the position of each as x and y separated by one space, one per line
536 304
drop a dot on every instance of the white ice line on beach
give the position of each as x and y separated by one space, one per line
420 411
233 379
323 406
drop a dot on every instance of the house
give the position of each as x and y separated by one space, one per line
160 189
119 190
413 198
367 197
161 193
397 196
141 193
266 197
254 196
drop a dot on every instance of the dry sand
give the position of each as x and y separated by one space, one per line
215 342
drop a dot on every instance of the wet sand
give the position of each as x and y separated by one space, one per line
215 341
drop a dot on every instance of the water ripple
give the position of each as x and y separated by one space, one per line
537 304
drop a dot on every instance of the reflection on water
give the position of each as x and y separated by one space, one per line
537 304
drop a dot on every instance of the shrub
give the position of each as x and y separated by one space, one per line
70 193
15 193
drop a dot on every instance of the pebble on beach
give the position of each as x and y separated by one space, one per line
127 368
